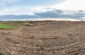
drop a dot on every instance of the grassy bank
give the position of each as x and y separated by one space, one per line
6 26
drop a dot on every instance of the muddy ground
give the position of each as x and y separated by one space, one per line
44 38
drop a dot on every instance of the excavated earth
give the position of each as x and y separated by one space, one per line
44 38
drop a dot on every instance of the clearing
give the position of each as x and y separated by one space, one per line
42 38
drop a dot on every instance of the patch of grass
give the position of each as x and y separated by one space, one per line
6 26
1 53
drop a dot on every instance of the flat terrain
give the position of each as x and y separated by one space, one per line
43 38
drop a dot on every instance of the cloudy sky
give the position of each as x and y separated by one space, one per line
28 7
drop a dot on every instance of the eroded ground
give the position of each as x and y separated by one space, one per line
44 38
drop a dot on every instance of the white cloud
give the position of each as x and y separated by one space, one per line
16 11
21 11
8 7
66 5
71 5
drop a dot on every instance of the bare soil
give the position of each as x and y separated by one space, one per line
44 38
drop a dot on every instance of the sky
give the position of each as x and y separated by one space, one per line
29 7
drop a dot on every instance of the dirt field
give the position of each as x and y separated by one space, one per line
44 38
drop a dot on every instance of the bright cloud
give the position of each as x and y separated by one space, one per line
21 11
71 5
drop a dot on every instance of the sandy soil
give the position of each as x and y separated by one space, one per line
44 38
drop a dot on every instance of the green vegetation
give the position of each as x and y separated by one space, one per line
1 53
6 26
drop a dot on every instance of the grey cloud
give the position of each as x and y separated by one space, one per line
48 14
60 14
